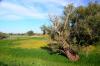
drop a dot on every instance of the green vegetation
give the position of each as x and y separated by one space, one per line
44 28
74 40
30 33
78 26
11 56
3 35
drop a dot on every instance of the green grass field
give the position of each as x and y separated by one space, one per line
27 52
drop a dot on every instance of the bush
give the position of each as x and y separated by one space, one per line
30 33
2 35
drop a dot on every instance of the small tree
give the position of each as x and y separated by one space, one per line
44 29
30 33
3 35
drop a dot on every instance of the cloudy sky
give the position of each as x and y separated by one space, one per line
19 16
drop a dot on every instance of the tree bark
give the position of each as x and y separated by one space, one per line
71 54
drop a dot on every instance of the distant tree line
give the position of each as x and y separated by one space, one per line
6 35
29 33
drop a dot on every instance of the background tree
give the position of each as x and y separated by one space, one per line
86 24
30 33
44 29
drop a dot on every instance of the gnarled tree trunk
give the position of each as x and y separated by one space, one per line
60 32
71 54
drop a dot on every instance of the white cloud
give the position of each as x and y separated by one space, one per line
52 6
21 10
46 2
56 2
11 17
27 8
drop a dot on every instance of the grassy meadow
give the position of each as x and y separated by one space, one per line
27 51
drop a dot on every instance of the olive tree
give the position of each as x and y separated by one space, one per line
78 26
60 34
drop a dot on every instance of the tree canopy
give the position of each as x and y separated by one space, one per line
78 26
30 33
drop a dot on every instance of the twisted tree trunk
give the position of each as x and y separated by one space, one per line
60 30
68 52
71 54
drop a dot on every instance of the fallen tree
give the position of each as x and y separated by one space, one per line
78 26
60 34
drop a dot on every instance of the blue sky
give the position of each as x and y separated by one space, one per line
19 16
